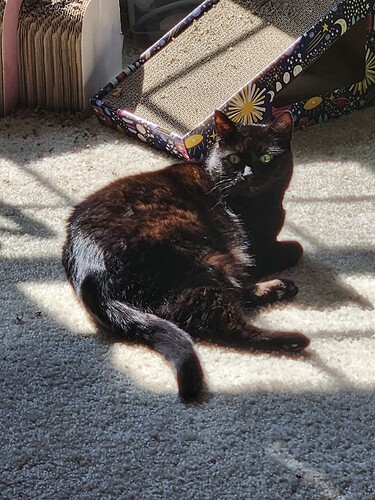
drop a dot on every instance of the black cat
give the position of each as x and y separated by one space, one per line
164 257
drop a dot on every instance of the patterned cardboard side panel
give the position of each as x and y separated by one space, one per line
147 132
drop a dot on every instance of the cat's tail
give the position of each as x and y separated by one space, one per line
162 335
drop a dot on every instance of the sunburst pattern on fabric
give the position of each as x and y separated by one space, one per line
246 107
361 87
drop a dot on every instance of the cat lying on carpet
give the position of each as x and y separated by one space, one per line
164 257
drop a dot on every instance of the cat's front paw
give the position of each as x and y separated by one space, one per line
267 292
285 289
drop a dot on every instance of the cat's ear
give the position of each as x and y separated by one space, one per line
225 128
283 125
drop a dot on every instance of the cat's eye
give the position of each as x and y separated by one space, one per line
266 158
235 159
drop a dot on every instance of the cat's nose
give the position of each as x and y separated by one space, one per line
247 173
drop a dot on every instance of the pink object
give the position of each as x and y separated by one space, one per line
341 102
279 111
10 54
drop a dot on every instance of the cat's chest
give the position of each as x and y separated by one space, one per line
229 254
261 219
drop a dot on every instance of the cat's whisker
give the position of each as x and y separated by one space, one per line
223 180
218 186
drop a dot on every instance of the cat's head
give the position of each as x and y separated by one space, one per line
252 160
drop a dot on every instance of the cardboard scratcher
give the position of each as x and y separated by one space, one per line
250 58
2 9
66 49
9 11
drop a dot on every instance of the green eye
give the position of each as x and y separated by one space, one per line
266 158
234 159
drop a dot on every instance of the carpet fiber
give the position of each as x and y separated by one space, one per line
82 418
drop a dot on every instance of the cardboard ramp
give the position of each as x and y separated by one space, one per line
250 58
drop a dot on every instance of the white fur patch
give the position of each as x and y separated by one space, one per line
88 257
247 171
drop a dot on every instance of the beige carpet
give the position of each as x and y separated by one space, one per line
82 419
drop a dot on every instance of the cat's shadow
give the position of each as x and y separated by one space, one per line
318 278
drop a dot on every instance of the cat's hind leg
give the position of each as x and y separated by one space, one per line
218 315
248 336
273 340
